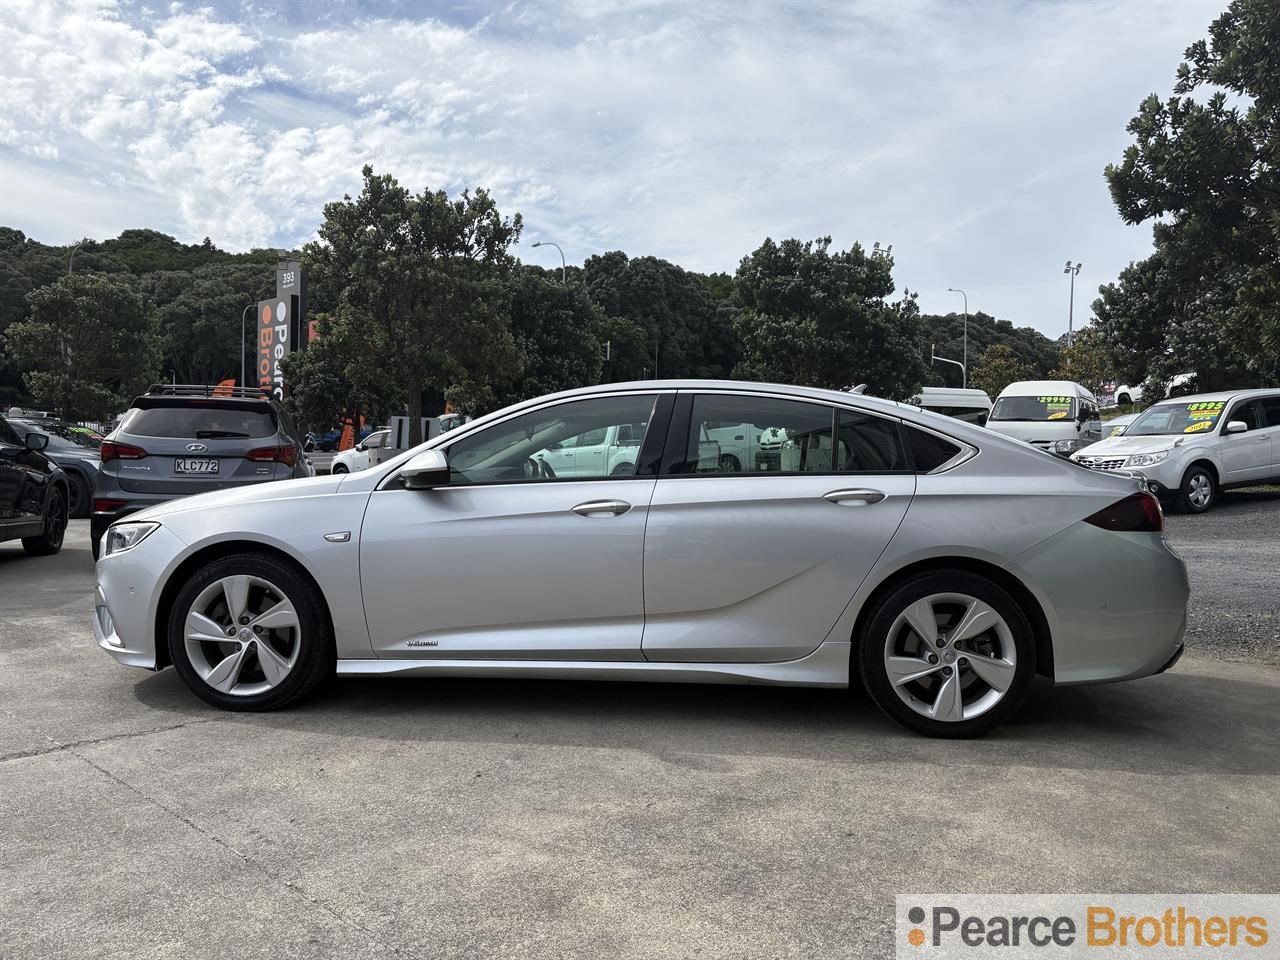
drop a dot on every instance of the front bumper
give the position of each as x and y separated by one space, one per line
127 596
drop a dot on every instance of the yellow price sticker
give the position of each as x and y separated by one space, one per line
1199 427
1061 414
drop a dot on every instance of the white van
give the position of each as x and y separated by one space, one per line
971 406
1055 415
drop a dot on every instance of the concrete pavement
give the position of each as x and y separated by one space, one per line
475 818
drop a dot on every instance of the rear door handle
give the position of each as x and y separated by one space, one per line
594 508
854 496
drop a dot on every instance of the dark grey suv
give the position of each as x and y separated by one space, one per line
176 440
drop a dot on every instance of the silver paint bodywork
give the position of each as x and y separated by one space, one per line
751 579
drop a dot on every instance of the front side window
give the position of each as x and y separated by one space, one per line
7 434
550 443
1038 409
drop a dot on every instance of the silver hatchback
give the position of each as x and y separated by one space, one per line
846 540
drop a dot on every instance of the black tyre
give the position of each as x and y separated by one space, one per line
624 470
78 497
971 675
729 464
339 468
1198 491
50 539
251 632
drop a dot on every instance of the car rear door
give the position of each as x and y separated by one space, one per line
1271 413
507 562
11 474
758 564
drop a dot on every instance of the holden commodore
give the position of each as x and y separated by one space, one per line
937 564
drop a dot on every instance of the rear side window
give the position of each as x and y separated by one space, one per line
868 444
735 433
1271 405
207 421
929 451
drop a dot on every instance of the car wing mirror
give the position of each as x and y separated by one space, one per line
36 441
1233 426
428 469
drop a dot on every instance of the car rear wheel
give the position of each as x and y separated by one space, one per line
50 539
248 632
339 468
729 464
1198 491
948 654
624 470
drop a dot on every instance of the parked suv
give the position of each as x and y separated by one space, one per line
74 450
177 440
1189 448
33 493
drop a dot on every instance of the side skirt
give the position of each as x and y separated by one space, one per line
827 666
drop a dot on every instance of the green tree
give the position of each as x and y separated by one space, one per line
424 275
998 368
85 349
1205 167
330 381
1086 361
946 332
815 317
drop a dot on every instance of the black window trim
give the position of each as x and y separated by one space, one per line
1233 407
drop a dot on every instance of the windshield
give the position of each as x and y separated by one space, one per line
64 437
1198 417
1040 409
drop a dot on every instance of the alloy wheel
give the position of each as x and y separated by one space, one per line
242 635
1199 490
56 521
950 657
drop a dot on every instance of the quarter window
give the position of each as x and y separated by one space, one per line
580 440
929 451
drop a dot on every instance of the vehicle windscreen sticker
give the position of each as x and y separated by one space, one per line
1058 408
1202 415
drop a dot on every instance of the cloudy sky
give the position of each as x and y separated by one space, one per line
970 135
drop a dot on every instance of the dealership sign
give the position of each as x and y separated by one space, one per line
280 327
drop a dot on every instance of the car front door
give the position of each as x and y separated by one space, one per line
1245 456
12 476
508 561
758 564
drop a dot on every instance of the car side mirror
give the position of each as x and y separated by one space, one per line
36 441
1233 426
428 469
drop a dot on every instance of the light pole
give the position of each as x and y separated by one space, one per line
1071 303
72 259
548 243
964 372
243 315
966 323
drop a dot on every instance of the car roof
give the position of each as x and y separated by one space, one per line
1026 388
1221 395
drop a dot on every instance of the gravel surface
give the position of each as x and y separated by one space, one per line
1233 556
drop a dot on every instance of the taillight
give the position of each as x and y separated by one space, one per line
106 506
110 450
1139 513
286 454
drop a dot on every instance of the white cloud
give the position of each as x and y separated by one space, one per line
971 136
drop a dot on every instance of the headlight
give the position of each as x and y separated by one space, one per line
125 536
1146 459
1065 447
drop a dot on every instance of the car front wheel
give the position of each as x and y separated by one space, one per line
339 468
1198 491
248 632
948 654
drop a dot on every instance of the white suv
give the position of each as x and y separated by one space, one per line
1192 447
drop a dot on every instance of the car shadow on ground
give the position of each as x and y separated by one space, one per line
1174 723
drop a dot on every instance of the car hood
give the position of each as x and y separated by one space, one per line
1127 446
1032 430
254 493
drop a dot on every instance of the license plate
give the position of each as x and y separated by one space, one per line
187 465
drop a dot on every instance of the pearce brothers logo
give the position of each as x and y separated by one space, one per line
1007 926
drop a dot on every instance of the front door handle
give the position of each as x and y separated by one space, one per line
854 496
592 508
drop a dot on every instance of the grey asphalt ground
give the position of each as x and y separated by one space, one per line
484 819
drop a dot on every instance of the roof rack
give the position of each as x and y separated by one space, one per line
205 390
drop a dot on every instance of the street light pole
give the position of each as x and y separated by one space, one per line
549 243
72 259
964 373
966 324
1071 302
243 315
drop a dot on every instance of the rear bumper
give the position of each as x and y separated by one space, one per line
1116 602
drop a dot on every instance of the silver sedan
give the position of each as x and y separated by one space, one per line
678 531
